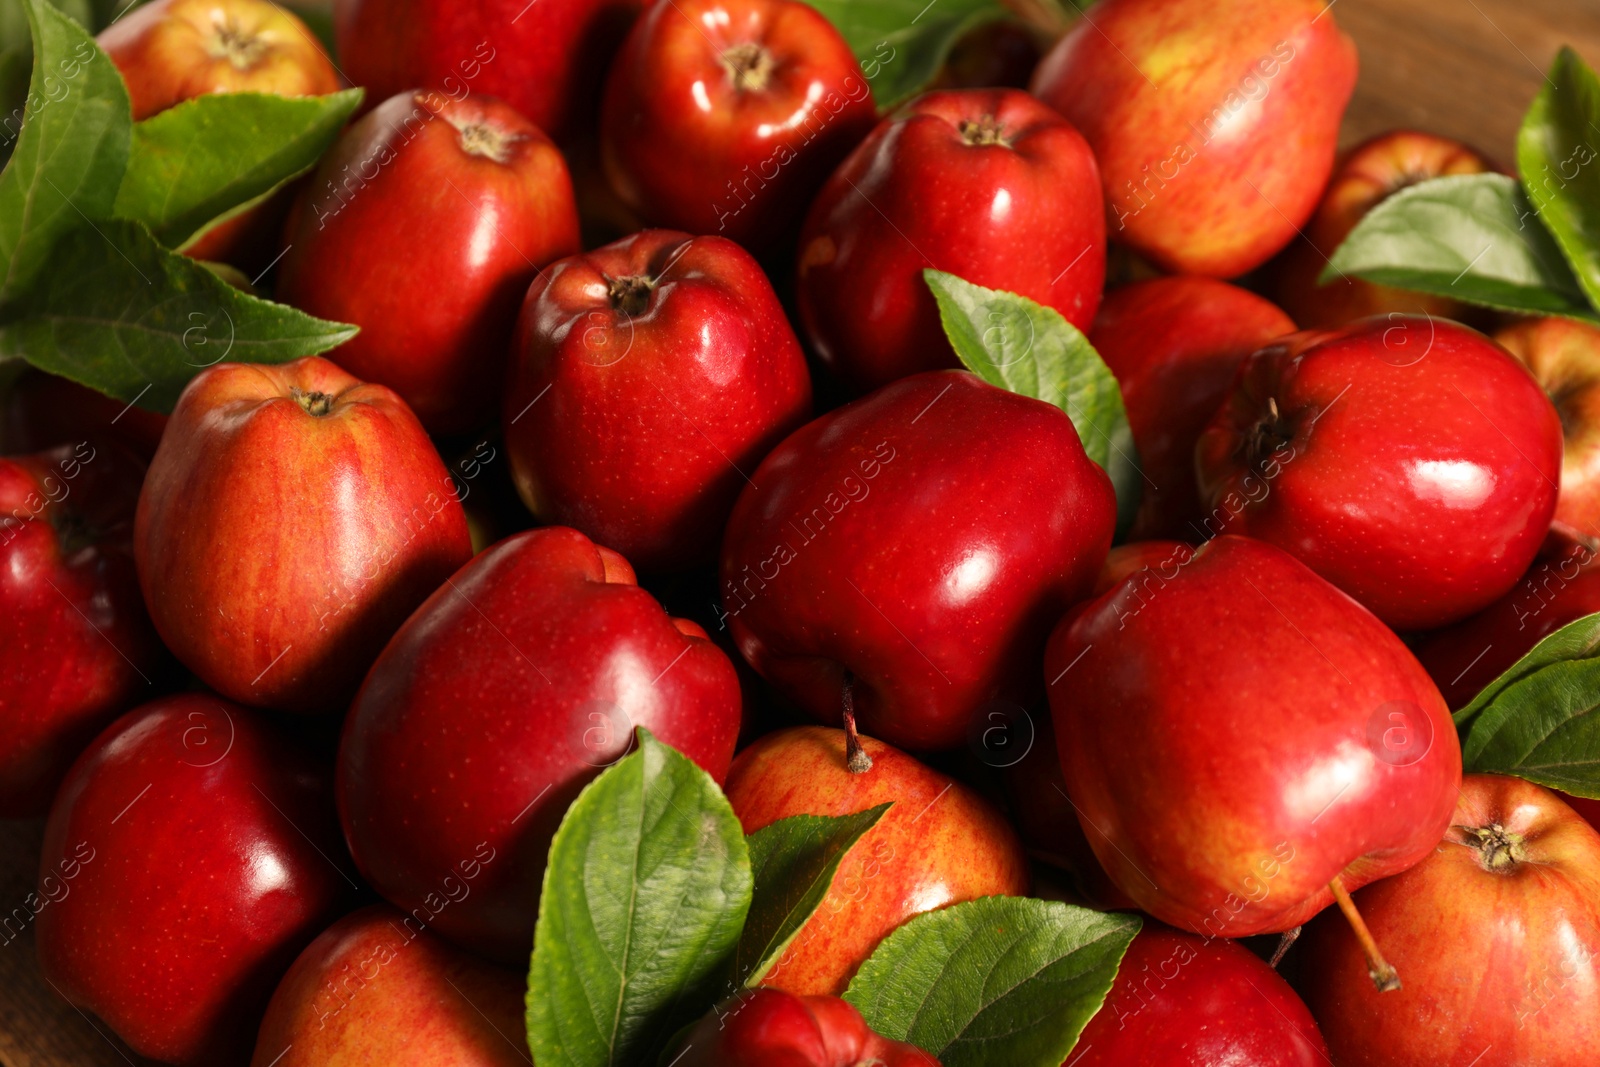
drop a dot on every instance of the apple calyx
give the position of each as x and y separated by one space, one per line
316 404
985 131
1270 435
486 141
749 66
856 760
1382 972
240 47
631 295
1499 850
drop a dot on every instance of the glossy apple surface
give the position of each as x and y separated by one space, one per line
939 844
1497 935
1214 123
767 1027
1564 356
986 184
377 987
76 645
1174 345
292 517
1235 737
919 543
724 116
649 379
507 692
191 853
485 201
1186 1001
1412 462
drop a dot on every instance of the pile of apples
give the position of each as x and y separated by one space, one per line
306 699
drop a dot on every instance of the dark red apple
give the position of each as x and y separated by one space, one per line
989 185
498 701
424 225
1186 1001
770 1028
649 379
378 988
1175 345
1214 121
199 853
76 645
1497 933
292 517
939 844
724 116
1564 355
1240 737
1411 462
909 552
40 411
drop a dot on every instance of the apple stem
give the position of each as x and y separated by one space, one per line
856 760
1285 942
1384 976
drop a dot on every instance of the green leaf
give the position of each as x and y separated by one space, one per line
1540 720
1010 341
646 890
196 163
119 313
72 149
901 44
1560 164
1471 237
794 861
997 980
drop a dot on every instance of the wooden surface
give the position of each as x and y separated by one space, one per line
1463 68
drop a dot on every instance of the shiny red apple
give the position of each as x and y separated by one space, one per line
648 380
424 225
292 517
498 701
770 1028
1564 355
986 184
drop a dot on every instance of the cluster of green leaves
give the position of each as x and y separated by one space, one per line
93 208
1530 246
656 906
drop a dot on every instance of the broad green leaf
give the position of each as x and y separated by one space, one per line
196 163
1558 155
71 150
1471 237
997 980
901 44
1010 341
646 890
794 861
16 53
119 313
1540 720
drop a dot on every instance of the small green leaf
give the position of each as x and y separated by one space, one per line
997 980
902 44
196 163
1010 341
1559 160
71 151
794 861
1470 237
644 896
119 313
1540 720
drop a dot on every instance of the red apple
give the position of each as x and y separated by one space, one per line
1175 345
1497 933
725 116
545 59
1411 462
498 701
292 517
1241 736
378 988
485 201
939 844
659 345
989 185
76 646
1564 355
1186 1001
909 552
770 1028
1366 176
194 853
1214 121
41 411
